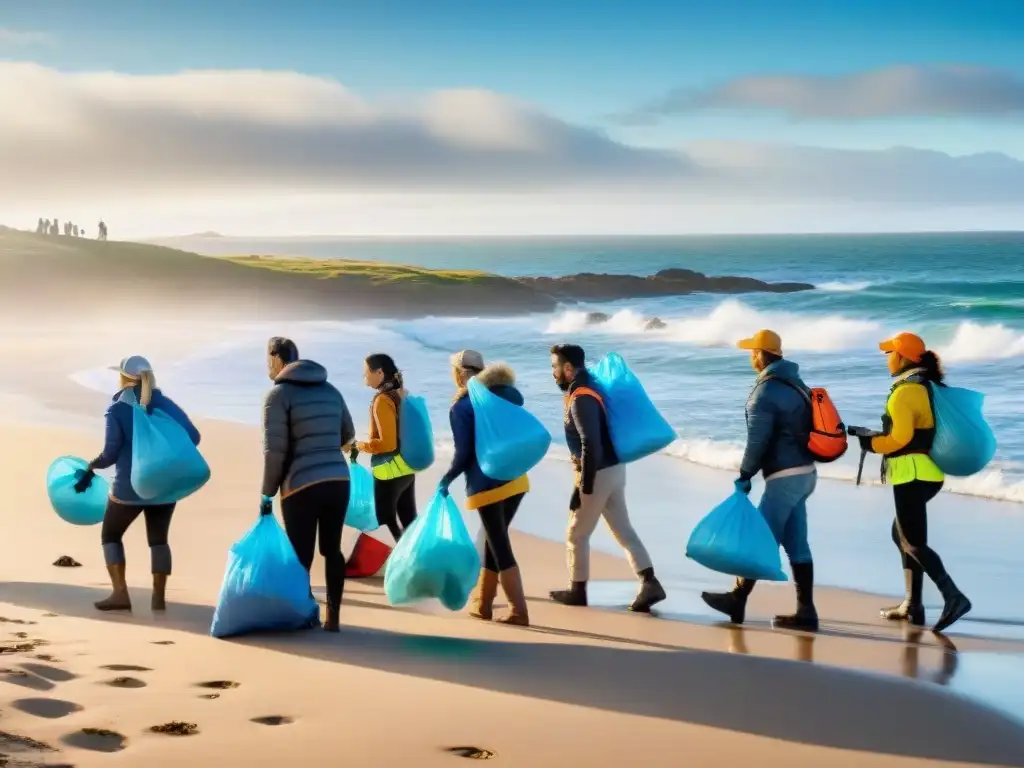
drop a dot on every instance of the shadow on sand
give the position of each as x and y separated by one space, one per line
787 700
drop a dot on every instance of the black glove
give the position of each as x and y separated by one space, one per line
84 480
353 455
574 502
865 443
266 506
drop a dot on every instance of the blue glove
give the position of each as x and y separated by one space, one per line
442 487
266 506
743 485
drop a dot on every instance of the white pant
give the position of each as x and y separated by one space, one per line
609 501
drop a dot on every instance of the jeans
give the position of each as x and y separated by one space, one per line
784 506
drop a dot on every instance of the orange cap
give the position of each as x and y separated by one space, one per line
765 340
906 345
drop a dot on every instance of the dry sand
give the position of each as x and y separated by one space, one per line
401 686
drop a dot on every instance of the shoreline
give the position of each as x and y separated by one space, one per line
595 686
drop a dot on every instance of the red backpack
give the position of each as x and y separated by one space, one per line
828 433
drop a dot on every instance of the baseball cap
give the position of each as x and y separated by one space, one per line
764 340
133 367
468 358
906 345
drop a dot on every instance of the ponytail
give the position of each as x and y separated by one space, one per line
932 366
146 384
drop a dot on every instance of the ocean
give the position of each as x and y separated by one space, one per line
964 293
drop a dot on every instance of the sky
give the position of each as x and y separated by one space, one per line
456 116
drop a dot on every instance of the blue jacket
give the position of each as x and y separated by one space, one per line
778 422
117 444
481 490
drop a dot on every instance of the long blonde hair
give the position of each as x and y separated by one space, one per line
147 383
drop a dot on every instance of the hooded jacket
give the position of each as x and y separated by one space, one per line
117 443
305 425
481 490
779 422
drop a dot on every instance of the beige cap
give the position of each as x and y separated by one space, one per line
133 367
468 358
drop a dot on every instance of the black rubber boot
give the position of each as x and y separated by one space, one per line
806 617
575 595
912 607
650 593
333 621
956 606
733 604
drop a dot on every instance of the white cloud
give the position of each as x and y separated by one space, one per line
12 37
109 137
898 91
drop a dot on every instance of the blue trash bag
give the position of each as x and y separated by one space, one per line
415 435
734 538
434 558
265 586
964 442
76 508
637 428
362 508
510 441
166 466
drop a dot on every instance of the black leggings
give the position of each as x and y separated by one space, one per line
496 519
118 517
322 506
396 503
910 533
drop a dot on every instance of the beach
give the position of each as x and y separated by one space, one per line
406 685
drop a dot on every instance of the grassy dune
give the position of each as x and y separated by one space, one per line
376 273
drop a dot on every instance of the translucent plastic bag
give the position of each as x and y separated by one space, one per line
362 508
734 538
434 558
964 442
166 466
416 437
265 586
510 441
76 508
637 428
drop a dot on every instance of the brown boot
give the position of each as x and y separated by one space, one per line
159 600
484 594
512 584
119 599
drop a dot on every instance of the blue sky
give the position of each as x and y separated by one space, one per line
580 61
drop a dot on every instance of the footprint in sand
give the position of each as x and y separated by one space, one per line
23 622
13 742
209 696
219 685
163 642
51 615
96 740
51 709
126 668
25 680
47 657
25 646
175 728
45 671
125 682
273 720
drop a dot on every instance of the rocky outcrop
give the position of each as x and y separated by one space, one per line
588 286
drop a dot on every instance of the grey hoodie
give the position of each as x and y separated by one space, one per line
305 424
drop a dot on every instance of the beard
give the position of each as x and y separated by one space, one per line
563 384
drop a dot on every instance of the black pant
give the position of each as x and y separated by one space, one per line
322 506
119 517
496 519
396 503
910 533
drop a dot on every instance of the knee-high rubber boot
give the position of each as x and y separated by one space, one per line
482 601
956 604
119 599
512 584
733 604
806 617
912 607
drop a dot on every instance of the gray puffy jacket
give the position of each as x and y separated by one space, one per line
305 424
